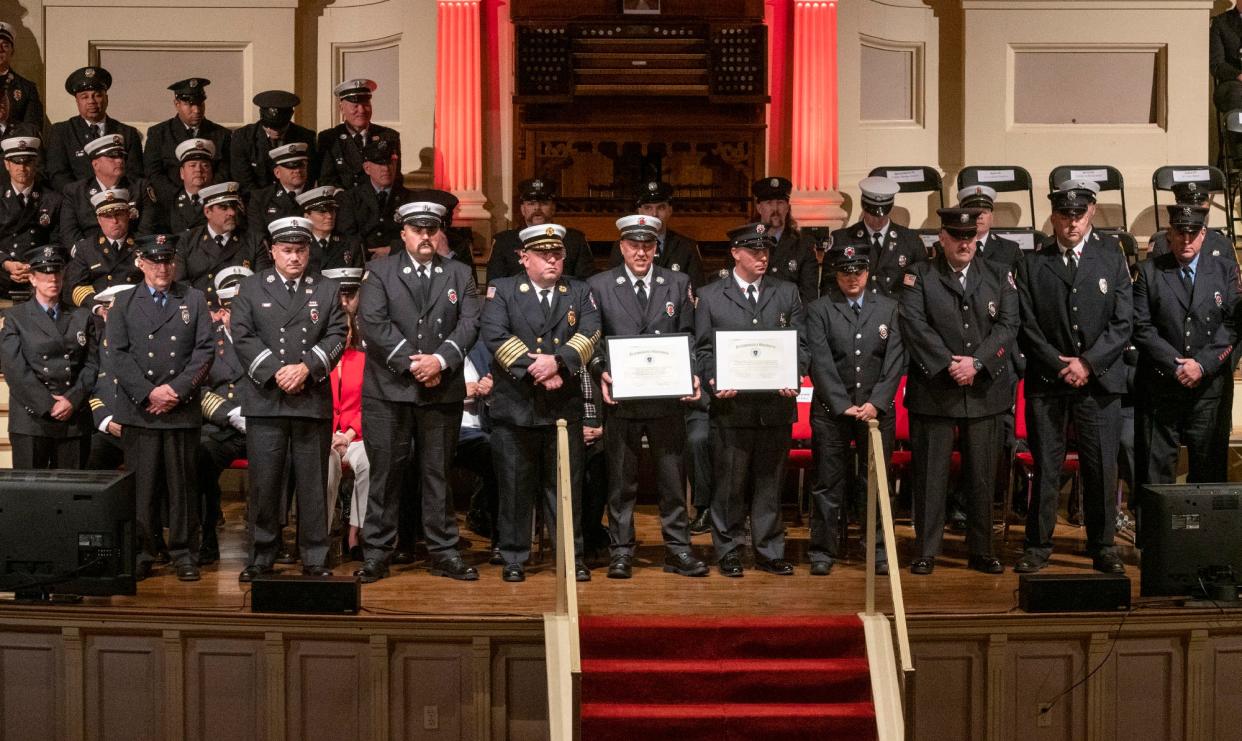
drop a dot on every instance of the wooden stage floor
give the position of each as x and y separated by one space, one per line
412 592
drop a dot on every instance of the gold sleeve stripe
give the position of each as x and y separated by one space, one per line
508 353
211 403
82 294
583 345
96 402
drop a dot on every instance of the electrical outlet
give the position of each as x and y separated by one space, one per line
1043 715
431 717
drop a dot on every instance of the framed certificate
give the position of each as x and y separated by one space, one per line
650 366
757 360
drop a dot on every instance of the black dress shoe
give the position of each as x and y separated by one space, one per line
161 556
454 568
208 555
286 555
142 570
252 572
401 558
957 521
188 572
702 522
778 566
685 564
372 570
1108 562
730 565
1030 563
985 564
514 572
620 568
581 572
922 566
316 571
496 559
821 568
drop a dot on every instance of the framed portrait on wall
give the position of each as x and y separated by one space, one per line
640 7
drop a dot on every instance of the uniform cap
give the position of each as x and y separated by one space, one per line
292 229
190 90
753 236
543 237
288 154
195 149
878 194
106 144
322 197
960 222
225 192
421 213
639 227
88 78
110 199
357 90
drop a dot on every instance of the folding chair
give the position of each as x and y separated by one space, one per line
1229 125
1110 180
801 454
1211 178
1006 179
1023 465
915 179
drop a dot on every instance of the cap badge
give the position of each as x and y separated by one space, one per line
653 186
537 184
1103 285
1192 187
193 83
272 111
849 251
161 238
884 331
90 72
760 228
675 267
642 221
965 218
774 183
550 232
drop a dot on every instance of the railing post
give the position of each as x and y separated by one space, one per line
877 488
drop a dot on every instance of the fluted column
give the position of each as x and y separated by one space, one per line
458 113
813 152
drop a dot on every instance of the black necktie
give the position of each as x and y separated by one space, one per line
323 244
51 312
641 292
1071 260
857 309
381 197
545 301
979 247
220 240
191 132
95 132
1188 280
424 284
877 240
25 200
359 141
159 298
292 286
195 200
752 295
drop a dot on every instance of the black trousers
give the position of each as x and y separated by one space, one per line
525 461
214 456
163 463
931 439
1097 422
45 453
841 446
474 454
699 457
391 429
623 444
1163 424
107 452
280 449
594 533
751 471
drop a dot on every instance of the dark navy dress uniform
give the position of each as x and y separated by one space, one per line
269 204
1172 322
402 313
898 250
506 246
750 431
669 309
250 164
179 210
288 434
29 223
200 256
941 319
220 443
67 161
856 358
676 252
78 219
1215 246
150 345
45 356
793 260
523 413
340 153
106 450
96 264
25 105
364 216
160 163
1084 312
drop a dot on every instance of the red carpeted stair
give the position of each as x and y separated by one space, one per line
696 677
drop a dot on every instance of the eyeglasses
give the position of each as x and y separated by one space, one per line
550 255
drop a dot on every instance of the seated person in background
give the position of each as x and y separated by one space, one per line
367 208
106 451
109 173
219 242
1225 60
162 156
249 163
347 447
21 95
67 157
223 436
181 204
1215 244
29 210
279 200
108 258
456 242
331 248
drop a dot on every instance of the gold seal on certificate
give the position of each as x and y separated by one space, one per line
757 360
650 366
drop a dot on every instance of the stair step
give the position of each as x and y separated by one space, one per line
726 680
690 722
707 637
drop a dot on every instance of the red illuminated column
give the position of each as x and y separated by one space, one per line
458 113
813 146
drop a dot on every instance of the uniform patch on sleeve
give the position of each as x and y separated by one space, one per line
491 291
909 279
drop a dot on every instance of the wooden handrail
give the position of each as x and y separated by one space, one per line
877 489
566 577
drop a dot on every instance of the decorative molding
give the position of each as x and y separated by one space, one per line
918 53
339 50
1160 50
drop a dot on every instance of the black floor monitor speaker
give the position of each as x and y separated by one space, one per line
341 595
1073 592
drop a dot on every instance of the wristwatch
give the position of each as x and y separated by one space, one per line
978 364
